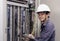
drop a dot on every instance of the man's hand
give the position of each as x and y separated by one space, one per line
31 36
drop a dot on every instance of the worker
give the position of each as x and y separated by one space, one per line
47 32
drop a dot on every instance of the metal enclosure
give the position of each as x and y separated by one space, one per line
18 21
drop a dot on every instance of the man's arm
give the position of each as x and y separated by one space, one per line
46 34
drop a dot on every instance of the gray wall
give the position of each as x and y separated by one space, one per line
55 14
3 20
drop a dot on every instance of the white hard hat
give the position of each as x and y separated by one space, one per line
43 7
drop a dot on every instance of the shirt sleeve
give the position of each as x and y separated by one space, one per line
46 33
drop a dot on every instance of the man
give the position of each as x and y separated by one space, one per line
47 27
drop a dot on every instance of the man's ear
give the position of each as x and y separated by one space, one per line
48 15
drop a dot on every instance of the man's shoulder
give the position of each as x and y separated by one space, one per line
50 25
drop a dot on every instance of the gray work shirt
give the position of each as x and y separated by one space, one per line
47 32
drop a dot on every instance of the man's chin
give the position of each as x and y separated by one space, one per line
42 20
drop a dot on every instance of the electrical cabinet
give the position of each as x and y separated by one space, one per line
18 21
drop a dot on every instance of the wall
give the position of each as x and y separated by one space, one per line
2 20
55 14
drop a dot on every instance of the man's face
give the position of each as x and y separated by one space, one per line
42 16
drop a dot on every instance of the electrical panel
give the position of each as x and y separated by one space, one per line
18 22
19 19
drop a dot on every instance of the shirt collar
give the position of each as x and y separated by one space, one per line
45 22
